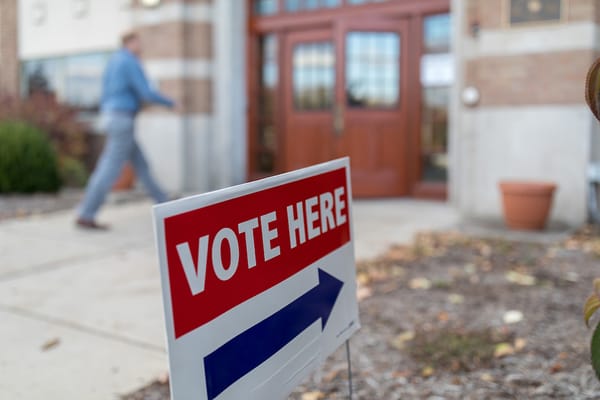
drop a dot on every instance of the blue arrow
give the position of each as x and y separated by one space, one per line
248 350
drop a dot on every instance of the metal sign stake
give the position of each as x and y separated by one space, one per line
349 369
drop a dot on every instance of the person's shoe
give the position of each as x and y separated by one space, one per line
90 224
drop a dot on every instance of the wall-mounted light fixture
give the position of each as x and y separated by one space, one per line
470 96
150 3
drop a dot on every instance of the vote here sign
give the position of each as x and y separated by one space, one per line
258 283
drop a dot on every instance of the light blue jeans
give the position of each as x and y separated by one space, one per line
120 147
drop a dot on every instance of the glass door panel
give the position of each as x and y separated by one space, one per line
437 75
313 74
372 69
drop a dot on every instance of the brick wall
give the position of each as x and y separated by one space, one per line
9 58
187 41
493 14
513 76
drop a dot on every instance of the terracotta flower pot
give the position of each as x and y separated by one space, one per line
526 204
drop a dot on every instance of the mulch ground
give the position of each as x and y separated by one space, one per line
454 317
27 205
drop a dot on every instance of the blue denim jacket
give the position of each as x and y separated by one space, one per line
125 87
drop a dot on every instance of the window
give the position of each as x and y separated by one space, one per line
313 76
303 5
364 1
265 7
437 76
271 7
524 11
75 80
372 69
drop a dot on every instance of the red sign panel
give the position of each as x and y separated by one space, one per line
222 255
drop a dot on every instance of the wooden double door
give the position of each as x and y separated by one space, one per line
344 94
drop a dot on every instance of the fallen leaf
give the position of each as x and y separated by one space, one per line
363 292
520 344
399 253
443 316
313 395
512 317
470 269
50 344
486 250
486 377
456 298
427 371
556 367
363 278
420 283
398 272
503 350
520 278
332 375
399 341
571 277
402 374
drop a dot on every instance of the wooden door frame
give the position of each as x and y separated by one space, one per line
413 10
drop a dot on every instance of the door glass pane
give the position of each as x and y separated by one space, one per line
313 72
364 1
269 81
437 76
436 33
303 5
265 7
372 69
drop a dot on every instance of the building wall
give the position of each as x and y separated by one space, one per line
531 121
9 60
178 55
49 28
178 38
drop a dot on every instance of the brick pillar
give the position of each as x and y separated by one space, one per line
178 56
9 55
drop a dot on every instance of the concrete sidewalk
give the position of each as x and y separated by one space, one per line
81 313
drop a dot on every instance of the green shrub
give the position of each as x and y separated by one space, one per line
72 172
69 136
28 162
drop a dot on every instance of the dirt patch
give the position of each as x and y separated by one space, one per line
454 317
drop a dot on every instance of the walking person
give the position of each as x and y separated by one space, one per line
125 89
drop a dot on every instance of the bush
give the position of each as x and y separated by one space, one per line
72 172
67 133
28 162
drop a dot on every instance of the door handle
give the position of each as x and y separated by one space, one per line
338 119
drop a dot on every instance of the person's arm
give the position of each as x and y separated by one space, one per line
142 88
